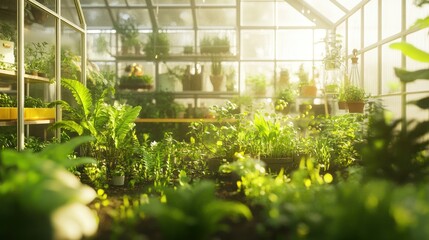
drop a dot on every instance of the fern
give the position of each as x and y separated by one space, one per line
81 94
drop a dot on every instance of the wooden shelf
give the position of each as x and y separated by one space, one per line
11 75
178 58
181 120
26 122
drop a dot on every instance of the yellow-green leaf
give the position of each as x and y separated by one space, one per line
411 51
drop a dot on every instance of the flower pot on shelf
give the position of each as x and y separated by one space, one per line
216 81
342 105
356 107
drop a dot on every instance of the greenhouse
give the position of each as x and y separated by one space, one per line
214 119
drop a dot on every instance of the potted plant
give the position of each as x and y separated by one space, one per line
157 47
101 44
37 58
136 82
216 77
230 79
6 104
118 175
285 99
257 83
333 62
188 49
128 33
7 46
307 88
284 78
355 98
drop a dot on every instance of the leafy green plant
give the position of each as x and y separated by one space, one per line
128 32
214 45
7 101
158 46
37 57
354 94
334 56
257 83
193 212
7 32
111 125
37 194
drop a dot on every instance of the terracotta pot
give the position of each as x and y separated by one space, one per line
216 81
308 91
355 107
342 105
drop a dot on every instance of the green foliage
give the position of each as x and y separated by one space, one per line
158 46
127 29
257 83
8 32
333 141
193 212
37 193
111 125
7 101
354 94
303 76
37 57
215 45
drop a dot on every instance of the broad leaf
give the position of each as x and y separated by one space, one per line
421 23
409 76
59 152
410 51
421 103
81 94
124 123
68 125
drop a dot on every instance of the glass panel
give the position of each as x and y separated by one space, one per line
295 44
171 18
326 8
136 3
289 16
371 23
141 16
96 18
251 69
393 105
180 39
48 3
34 14
293 68
171 2
390 58
71 53
349 4
369 77
101 46
391 22
85 3
69 11
414 12
319 46
216 17
116 3
215 2
354 31
257 44
257 14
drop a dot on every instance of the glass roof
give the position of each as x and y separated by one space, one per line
216 14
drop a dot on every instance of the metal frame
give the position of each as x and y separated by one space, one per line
59 19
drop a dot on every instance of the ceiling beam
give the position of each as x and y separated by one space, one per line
152 16
311 13
336 3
